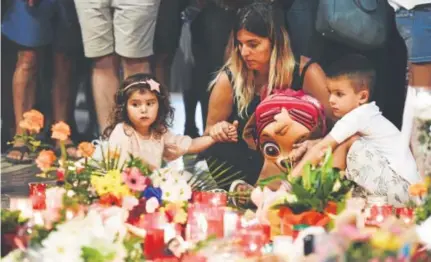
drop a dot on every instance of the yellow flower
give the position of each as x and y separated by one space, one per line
385 241
120 191
101 185
114 176
274 222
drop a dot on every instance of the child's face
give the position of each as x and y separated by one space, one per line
342 96
142 109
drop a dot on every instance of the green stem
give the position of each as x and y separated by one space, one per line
64 158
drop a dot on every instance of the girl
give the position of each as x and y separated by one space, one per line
140 121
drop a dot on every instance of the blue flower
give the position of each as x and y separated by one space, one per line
151 191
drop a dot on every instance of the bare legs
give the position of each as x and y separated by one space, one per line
420 75
106 81
163 68
63 92
23 88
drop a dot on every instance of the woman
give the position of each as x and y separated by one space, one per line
260 61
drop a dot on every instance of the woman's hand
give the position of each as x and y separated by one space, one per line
224 131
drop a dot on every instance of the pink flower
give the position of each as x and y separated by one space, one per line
134 179
151 205
129 202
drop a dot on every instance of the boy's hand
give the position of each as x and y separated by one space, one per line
233 132
301 148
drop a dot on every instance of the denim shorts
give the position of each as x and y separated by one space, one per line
415 27
48 22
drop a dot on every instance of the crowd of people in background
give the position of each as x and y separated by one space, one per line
51 47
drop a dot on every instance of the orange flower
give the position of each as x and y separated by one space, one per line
45 159
60 131
86 149
417 189
33 121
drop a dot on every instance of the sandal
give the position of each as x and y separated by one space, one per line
23 150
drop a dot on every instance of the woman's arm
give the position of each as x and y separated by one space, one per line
220 107
315 85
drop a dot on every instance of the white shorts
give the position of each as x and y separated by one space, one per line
373 174
124 26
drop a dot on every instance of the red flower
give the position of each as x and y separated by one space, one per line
60 174
137 211
109 200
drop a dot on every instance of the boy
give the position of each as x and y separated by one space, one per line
364 142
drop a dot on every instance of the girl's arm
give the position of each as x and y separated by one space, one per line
314 155
204 142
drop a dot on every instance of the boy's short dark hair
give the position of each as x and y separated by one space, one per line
357 68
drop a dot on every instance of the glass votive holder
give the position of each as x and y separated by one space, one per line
37 195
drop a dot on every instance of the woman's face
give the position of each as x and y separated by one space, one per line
255 50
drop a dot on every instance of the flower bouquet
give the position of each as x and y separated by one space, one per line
318 193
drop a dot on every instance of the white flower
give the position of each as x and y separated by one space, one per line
176 189
61 246
422 231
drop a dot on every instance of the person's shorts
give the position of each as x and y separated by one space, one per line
124 26
168 26
49 22
415 27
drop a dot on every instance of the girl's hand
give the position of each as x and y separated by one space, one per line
220 131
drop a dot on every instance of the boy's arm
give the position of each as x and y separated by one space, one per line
314 155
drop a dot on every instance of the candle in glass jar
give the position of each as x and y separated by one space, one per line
210 198
37 195
377 210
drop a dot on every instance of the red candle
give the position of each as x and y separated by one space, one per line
37 195
378 214
406 214
210 198
251 242
204 221
154 245
264 230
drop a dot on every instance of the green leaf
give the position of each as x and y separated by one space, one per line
300 192
90 254
306 177
268 180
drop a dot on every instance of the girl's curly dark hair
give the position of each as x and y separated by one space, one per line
119 114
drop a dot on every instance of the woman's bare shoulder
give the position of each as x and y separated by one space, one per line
222 87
